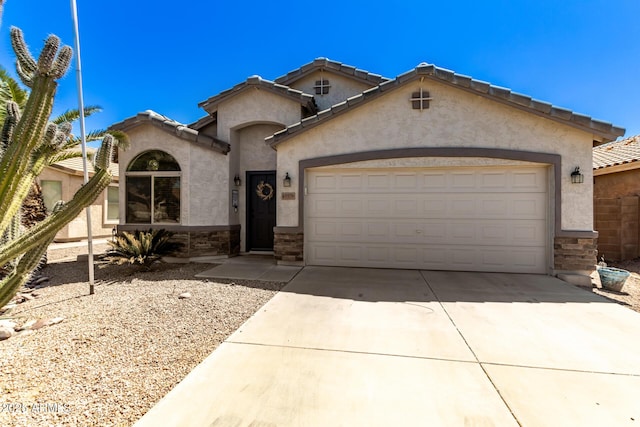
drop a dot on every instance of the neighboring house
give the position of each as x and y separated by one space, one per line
60 181
616 195
332 165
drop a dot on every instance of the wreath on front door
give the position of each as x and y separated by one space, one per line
264 190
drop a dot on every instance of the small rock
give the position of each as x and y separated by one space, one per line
27 325
54 321
6 332
8 323
27 297
40 323
184 295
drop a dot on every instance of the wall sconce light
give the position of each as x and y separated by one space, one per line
576 176
287 180
237 181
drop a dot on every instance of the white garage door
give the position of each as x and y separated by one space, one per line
465 219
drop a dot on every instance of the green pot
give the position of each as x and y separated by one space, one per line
613 279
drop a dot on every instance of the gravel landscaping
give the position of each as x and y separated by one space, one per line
117 352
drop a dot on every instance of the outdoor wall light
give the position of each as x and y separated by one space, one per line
237 181
287 180
576 176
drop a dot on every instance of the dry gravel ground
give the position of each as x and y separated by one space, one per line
120 350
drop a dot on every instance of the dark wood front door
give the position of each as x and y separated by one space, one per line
261 210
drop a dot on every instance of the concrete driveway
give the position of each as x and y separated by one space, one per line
367 347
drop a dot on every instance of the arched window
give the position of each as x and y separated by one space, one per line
153 189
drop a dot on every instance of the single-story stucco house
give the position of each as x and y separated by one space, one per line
333 165
616 198
61 180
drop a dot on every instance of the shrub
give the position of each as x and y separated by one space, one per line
141 247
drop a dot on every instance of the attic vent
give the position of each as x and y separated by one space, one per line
420 100
322 87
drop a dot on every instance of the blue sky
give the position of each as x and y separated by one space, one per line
168 56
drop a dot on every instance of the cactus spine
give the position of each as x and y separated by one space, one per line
29 142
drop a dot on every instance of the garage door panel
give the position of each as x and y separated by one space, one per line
433 206
433 182
529 179
351 182
350 207
431 257
477 219
451 232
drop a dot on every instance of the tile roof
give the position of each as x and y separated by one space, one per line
617 153
203 121
333 66
605 130
74 165
171 126
258 82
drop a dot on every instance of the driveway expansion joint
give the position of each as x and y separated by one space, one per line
546 368
475 356
332 350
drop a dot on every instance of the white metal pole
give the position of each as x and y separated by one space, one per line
83 137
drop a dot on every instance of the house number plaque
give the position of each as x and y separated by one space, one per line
288 196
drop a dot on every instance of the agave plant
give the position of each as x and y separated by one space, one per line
141 247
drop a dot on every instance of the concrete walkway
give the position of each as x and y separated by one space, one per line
251 267
366 347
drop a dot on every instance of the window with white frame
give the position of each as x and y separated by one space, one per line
51 193
112 205
152 186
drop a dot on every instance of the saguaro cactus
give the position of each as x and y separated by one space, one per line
28 143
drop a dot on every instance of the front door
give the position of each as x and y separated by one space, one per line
261 210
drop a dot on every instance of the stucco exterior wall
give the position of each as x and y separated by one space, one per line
204 192
255 106
455 119
77 228
341 88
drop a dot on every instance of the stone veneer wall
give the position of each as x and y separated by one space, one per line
199 241
288 245
575 253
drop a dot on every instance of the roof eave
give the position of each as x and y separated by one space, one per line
601 129
335 67
210 105
174 128
622 167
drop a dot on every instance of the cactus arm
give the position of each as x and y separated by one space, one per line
23 56
29 132
18 277
17 156
12 115
48 228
